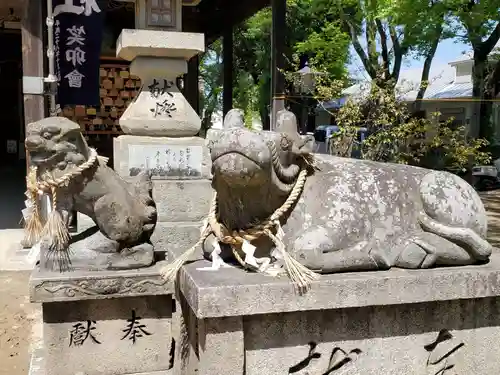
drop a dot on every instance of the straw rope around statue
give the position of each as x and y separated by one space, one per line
300 275
54 228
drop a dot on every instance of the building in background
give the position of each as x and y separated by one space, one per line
449 92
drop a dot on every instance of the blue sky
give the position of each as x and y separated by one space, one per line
448 50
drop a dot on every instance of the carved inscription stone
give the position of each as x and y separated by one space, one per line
383 340
438 322
108 337
158 58
167 161
167 158
105 323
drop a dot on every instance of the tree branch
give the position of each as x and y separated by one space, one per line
371 42
424 80
398 54
383 42
359 49
493 80
488 45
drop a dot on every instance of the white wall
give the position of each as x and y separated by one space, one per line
448 106
463 72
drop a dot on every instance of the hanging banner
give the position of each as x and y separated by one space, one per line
78 29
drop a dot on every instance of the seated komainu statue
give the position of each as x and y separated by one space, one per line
77 179
334 214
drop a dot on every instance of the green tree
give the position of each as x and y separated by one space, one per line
383 32
397 137
313 34
481 22
211 81
252 62
424 25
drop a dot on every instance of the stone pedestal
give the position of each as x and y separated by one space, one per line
104 323
180 169
374 323
161 128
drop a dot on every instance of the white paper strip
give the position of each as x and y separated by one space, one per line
249 251
32 256
217 261
276 254
279 232
27 212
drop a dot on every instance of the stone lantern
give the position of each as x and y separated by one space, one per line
161 127
159 51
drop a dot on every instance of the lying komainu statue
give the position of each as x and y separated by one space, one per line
78 180
352 215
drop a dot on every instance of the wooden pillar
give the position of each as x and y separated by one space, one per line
191 84
33 60
277 58
227 46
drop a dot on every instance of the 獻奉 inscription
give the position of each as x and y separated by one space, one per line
135 329
166 161
158 91
81 332
163 106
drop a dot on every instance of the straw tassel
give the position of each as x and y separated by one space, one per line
55 229
299 274
33 226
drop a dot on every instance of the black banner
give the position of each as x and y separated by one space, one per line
78 29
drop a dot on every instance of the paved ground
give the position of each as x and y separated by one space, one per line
20 330
20 321
491 201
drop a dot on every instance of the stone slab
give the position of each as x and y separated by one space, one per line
234 292
108 337
182 200
221 336
48 286
167 158
133 43
176 237
376 340
37 366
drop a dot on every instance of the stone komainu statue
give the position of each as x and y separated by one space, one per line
77 179
352 215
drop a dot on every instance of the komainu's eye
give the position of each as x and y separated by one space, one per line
46 135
